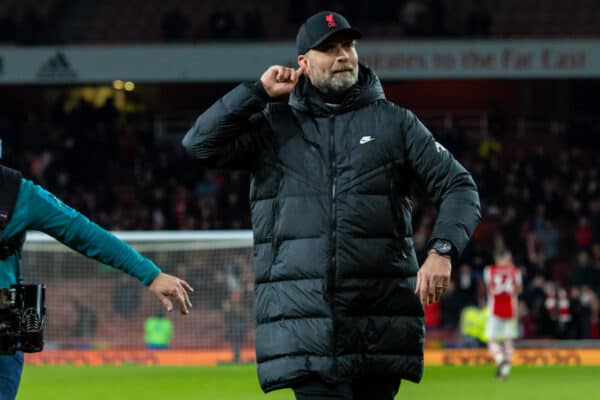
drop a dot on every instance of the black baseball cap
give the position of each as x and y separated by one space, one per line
318 28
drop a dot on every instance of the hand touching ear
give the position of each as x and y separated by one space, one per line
279 81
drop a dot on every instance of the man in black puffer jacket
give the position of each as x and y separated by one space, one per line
339 291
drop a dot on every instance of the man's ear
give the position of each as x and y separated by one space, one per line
303 62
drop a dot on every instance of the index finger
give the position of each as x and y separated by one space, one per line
300 70
181 300
186 285
418 283
425 289
187 298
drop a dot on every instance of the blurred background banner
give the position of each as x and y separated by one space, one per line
433 357
220 62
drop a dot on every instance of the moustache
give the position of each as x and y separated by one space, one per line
347 69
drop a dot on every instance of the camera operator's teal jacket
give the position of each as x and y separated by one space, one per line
38 209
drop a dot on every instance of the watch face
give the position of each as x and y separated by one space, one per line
442 246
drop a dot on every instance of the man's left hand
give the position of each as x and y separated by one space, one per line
433 278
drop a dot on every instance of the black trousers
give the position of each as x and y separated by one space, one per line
355 390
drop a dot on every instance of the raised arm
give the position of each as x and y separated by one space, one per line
232 132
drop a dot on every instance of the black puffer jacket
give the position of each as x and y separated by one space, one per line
334 262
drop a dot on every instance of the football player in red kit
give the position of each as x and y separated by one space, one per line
503 283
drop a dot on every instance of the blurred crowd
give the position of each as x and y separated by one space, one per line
24 24
118 174
35 22
21 25
540 199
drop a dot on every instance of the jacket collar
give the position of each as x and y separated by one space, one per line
306 98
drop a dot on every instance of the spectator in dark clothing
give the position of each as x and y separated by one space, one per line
235 314
582 269
534 297
466 285
126 297
589 311
451 305
595 219
87 320
511 228
575 309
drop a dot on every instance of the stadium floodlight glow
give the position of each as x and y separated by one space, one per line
118 84
129 86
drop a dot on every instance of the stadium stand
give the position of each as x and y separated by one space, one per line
155 21
548 212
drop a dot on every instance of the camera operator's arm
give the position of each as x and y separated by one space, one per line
46 213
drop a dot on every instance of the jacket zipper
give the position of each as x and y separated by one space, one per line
333 179
332 267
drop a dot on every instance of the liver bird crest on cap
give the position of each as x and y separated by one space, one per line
330 21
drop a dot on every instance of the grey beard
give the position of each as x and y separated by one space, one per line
336 84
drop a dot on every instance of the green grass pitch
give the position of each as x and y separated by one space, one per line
132 382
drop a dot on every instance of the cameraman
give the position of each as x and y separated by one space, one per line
26 206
